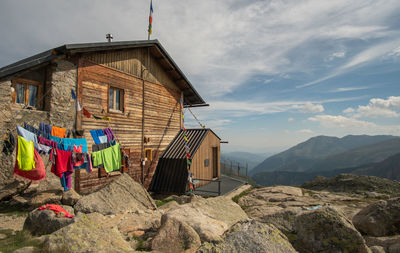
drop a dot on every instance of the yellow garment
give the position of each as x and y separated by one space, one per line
25 154
58 132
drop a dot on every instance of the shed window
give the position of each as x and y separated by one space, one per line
149 154
115 99
26 92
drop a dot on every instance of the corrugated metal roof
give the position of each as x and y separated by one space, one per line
191 96
171 173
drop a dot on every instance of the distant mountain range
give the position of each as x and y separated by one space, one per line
388 168
330 156
251 159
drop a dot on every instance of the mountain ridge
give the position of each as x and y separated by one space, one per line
305 155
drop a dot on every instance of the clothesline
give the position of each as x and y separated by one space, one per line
66 154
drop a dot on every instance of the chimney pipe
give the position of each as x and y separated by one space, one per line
109 37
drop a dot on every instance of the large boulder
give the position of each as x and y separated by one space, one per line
46 197
87 234
175 236
250 236
210 218
326 230
70 197
121 195
390 244
381 218
42 222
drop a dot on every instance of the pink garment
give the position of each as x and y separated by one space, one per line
77 163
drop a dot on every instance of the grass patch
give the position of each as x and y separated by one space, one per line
240 195
163 202
18 240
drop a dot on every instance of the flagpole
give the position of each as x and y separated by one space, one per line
150 20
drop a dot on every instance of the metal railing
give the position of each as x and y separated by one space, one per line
211 181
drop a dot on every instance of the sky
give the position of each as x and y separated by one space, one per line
275 73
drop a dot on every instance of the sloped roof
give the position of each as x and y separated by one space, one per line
191 96
171 173
176 149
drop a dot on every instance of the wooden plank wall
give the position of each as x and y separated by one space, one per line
205 152
161 117
130 61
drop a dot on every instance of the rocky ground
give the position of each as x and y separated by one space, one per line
123 217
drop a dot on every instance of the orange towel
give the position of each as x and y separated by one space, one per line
58 132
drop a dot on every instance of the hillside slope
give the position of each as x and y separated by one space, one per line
310 154
388 168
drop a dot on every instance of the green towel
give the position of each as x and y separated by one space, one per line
110 157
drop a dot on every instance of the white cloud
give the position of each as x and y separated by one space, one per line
218 44
305 131
348 110
364 57
290 119
344 89
309 107
379 108
352 125
340 54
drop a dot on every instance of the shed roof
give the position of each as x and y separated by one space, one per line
171 173
191 96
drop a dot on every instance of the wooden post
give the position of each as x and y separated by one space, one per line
238 170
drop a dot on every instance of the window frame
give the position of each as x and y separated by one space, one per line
150 152
121 100
26 83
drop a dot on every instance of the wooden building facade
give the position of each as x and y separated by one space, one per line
135 84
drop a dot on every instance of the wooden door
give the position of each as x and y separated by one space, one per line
215 161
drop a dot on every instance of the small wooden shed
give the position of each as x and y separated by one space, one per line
171 175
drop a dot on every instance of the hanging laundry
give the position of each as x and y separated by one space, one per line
42 149
47 142
97 118
66 180
83 159
35 175
43 127
31 129
25 154
61 161
106 118
109 133
109 157
103 139
98 147
68 143
95 135
57 209
28 136
86 113
58 132
9 143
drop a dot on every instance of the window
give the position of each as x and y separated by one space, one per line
26 92
115 99
148 154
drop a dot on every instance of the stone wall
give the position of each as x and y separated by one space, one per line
59 110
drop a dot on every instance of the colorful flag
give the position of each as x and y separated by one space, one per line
150 18
78 106
86 113
73 94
